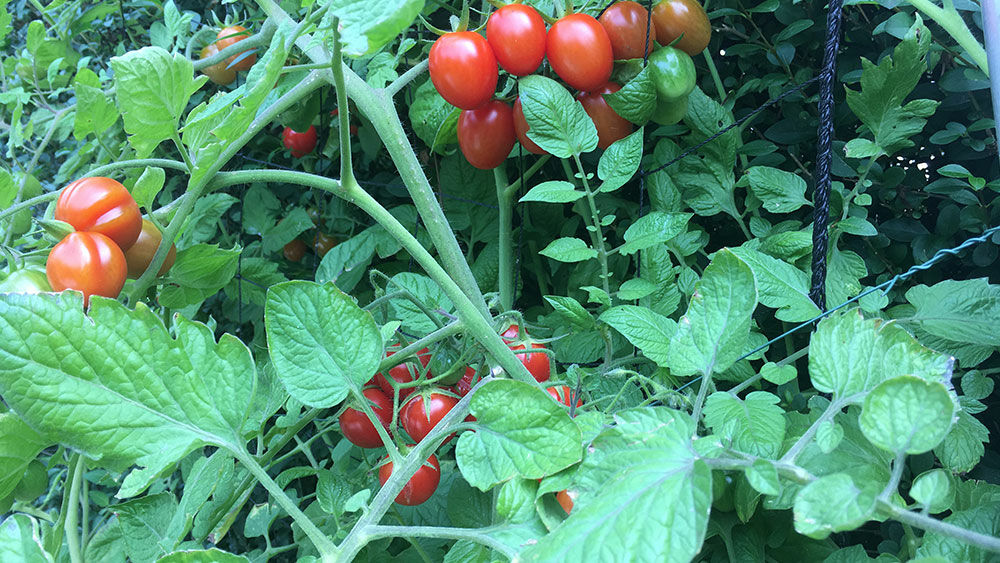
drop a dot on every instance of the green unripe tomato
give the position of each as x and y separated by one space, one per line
670 112
25 280
33 483
673 73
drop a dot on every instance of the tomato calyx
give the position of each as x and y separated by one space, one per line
402 373
422 412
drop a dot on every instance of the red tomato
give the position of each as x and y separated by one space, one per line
295 250
422 413
537 364
323 243
562 394
565 500
610 126
101 205
358 428
464 385
403 373
521 130
230 35
420 487
625 23
300 144
217 73
674 18
516 32
579 50
139 255
486 134
88 262
463 69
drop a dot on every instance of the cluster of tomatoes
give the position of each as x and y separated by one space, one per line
581 50
424 406
224 72
111 240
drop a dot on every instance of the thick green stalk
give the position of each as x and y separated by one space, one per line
72 511
505 276
951 21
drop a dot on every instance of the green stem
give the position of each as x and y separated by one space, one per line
398 84
343 113
857 187
715 75
699 402
257 40
597 234
982 541
505 277
951 21
831 411
515 186
72 525
478 535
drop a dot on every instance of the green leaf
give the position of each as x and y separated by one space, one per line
636 101
69 376
778 375
829 435
849 356
780 191
148 185
958 310
321 343
213 555
908 414
706 179
19 444
571 310
620 162
644 329
346 264
144 522
713 333
763 477
780 285
95 111
203 222
524 433
556 121
204 267
844 270
933 490
553 191
428 292
152 88
643 495
368 26
755 426
817 517
434 120
655 228
861 148
21 540
636 288
983 518
962 448
516 500
568 249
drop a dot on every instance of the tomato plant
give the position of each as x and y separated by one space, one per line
463 69
669 112
673 73
217 73
565 500
516 32
300 144
294 251
421 485
610 126
465 384
580 52
422 412
20 223
521 130
403 373
88 262
685 19
563 394
358 428
101 205
625 23
229 36
322 243
486 134
25 280
536 363
139 255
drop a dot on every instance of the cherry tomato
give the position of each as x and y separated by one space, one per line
521 130
295 250
610 126
537 364
516 32
422 413
625 23
403 373
420 487
230 35
562 394
464 385
579 50
463 69
140 254
358 428
217 73
565 500
486 134
25 281
673 18
323 243
673 73
300 144
88 262
101 205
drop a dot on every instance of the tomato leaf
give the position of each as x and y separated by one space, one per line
755 425
21 538
817 517
320 341
433 119
620 162
556 121
963 447
568 249
780 191
780 285
963 311
95 111
636 101
367 26
553 191
907 413
648 331
19 444
655 228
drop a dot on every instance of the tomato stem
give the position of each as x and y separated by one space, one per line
72 507
505 275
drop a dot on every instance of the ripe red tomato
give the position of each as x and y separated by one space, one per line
562 394
101 205
323 243
673 18
358 428
464 385
610 126
565 500
295 250
88 262
403 373
521 130
230 35
516 32
420 487
422 413
300 144
486 134
536 364
217 73
463 69
625 23
140 254
579 50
